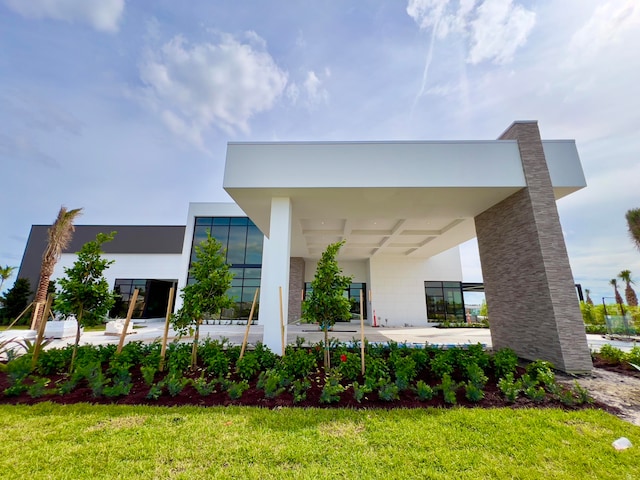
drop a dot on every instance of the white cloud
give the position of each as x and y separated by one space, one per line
499 29
103 15
196 86
493 29
607 25
310 92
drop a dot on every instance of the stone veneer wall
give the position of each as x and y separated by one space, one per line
530 291
296 285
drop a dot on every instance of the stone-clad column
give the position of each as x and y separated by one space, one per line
296 285
530 291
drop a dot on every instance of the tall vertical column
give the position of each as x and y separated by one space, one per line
275 274
530 291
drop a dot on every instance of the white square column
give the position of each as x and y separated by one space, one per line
276 252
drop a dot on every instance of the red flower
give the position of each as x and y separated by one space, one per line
343 358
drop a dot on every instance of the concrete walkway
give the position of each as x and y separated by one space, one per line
345 332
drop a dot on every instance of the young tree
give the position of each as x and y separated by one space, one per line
326 302
5 274
614 283
59 237
208 294
84 291
633 222
629 292
15 301
588 293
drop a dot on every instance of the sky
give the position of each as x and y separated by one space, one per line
125 108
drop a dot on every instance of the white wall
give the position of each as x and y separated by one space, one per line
356 268
130 265
397 286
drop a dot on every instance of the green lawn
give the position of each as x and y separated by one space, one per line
86 441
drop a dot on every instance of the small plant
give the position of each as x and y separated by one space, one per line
155 391
376 370
175 383
387 391
566 397
299 389
473 392
476 376
148 374
52 361
612 354
236 389
534 369
441 364
349 365
424 391
248 366
298 363
18 369
332 387
119 389
535 393
448 388
266 358
204 387
405 371
217 363
360 391
581 393
505 362
528 381
633 357
271 382
510 388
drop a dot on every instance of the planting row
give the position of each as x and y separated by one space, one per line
391 371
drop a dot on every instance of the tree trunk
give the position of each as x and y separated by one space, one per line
327 356
41 295
77 342
632 299
194 348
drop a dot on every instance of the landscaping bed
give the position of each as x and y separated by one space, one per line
396 376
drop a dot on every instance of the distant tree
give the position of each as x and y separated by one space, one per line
15 301
5 274
614 283
207 296
84 292
633 222
59 236
629 293
326 303
588 293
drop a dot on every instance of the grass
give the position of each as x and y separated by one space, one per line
87 441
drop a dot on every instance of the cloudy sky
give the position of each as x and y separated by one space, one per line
124 108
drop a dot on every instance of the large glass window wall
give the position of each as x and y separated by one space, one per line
242 242
353 294
444 301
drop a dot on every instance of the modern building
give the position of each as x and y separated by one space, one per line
402 209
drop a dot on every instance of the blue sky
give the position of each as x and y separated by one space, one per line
125 108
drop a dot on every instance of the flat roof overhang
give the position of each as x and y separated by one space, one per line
413 199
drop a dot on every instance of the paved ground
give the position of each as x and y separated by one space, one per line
152 330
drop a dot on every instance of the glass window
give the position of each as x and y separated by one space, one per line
237 244
445 301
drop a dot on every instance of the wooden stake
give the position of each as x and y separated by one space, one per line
362 331
132 304
246 333
281 321
165 336
19 317
35 315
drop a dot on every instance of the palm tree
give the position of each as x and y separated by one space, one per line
629 293
5 274
587 291
633 222
614 283
59 234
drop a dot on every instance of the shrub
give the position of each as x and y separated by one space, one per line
38 388
204 387
404 370
634 355
236 389
272 383
54 360
360 391
298 363
442 363
448 388
266 358
148 374
473 393
376 369
424 391
299 389
387 391
475 375
535 393
538 367
175 383
332 388
349 365
505 362
248 366
509 387
155 391
217 363
611 354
